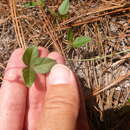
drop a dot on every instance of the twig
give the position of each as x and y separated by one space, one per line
100 57
49 28
4 20
89 20
117 81
99 10
16 23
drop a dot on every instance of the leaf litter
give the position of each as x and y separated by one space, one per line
106 22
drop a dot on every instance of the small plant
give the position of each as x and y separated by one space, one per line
53 13
34 4
78 41
64 7
34 65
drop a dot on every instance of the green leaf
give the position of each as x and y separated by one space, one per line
29 76
35 65
29 55
41 3
30 4
43 65
80 41
64 7
128 100
53 13
70 35
37 61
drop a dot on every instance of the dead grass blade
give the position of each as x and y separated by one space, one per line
92 12
89 20
51 31
17 24
4 20
115 82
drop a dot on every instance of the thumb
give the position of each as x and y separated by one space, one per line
62 100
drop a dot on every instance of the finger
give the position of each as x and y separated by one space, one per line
35 98
61 105
13 94
56 56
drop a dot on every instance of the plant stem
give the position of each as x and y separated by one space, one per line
100 57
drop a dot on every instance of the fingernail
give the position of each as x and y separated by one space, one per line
60 74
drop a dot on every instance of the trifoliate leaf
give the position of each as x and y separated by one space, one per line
30 4
64 7
37 61
80 41
35 65
70 35
30 54
43 65
29 76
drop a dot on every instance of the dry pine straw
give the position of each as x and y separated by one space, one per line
106 22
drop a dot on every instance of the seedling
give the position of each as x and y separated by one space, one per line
70 35
34 4
64 7
53 13
35 65
78 41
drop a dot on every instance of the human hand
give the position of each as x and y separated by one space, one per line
52 103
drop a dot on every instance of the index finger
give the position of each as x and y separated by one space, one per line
13 94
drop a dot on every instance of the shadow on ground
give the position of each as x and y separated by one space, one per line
110 119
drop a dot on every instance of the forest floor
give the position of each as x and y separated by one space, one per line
102 65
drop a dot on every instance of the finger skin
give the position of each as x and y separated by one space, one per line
36 98
56 56
82 120
13 94
61 104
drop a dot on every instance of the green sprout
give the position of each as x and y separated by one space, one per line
64 7
78 41
34 65
31 4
